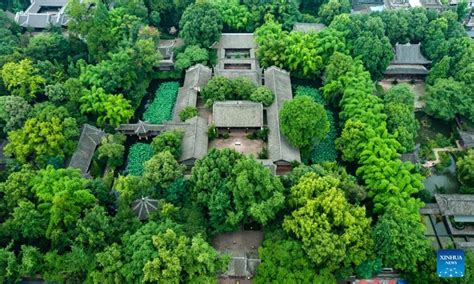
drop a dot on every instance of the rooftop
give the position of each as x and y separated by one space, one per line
279 82
236 40
467 138
88 141
308 27
238 114
196 77
42 13
194 145
408 54
455 204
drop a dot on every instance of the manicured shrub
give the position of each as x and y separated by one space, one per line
262 95
188 112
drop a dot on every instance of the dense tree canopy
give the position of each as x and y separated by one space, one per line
401 245
333 232
465 169
304 122
22 79
45 136
201 24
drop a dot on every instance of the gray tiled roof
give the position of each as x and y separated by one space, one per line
236 40
196 77
308 27
35 18
140 128
237 114
406 69
241 264
279 148
142 207
195 140
409 54
82 157
455 204
467 138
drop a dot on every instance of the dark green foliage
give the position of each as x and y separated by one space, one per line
192 55
262 95
161 109
326 149
201 24
168 141
188 112
219 88
401 245
48 46
304 122
138 154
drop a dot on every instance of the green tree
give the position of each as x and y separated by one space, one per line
262 95
13 112
446 98
219 88
188 112
109 109
201 24
236 17
48 46
304 122
332 8
111 148
170 141
162 169
465 171
181 258
93 231
43 137
256 192
376 53
243 88
399 106
109 263
22 79
333 232
401 245
63 199
192 55
8 265
209 177
31 260
285 259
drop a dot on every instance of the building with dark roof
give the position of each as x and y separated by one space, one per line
236 57
196 77
308 27
280 151
467 138
195 140
142 129
403 4
88 141
237 114
408 62
165 48
43 13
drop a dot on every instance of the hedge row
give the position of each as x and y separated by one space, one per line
161 109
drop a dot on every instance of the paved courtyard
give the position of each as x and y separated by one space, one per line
240 143
418 89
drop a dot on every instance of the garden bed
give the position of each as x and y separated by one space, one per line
161 109
138 154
